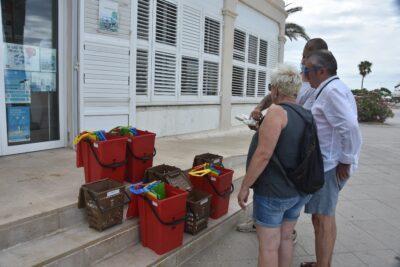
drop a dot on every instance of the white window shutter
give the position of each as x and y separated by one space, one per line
273 55
143 19
239 45
191 24
251 83
253 49
262 80
164 74
211 36
237 81
262 60
142 70
166 23
210 78
189 76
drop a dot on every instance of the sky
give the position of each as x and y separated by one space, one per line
355 30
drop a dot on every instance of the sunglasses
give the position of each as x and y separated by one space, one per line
269 87
307 71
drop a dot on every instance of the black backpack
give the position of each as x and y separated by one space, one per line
308 177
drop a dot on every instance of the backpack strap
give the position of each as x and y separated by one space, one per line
320 91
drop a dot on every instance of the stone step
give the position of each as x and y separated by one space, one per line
75 243
139 256
56 220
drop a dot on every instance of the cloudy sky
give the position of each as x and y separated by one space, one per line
354 30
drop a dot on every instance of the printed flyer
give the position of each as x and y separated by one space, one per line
48 59
17 87
21 57
108 16
42 81
18 122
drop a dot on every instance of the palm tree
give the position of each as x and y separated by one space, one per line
294 31
365 68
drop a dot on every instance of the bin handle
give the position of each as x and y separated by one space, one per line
145 157
103 210
111 165
171 223
224 194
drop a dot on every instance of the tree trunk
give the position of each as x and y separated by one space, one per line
362 82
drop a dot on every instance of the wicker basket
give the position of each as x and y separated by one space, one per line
207 158
198 210
168 174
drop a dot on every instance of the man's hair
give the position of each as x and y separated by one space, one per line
314 45
287 80
323 59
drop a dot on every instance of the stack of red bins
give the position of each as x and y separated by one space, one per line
220 188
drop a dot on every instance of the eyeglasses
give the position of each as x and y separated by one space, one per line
307 70
269 87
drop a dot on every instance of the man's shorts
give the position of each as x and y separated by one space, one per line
324 201
271 212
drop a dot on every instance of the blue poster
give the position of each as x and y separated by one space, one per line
17 87
18 122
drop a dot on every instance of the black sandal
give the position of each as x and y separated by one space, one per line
308 264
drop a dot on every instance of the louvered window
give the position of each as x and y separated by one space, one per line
191 24
251 83
142 70
253 49
210 78
164 79
262 60
237 81
211 36
143 19
239 45
189 76
262 80
166 23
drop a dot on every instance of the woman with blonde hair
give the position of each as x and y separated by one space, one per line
277 203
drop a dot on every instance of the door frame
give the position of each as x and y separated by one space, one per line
62 94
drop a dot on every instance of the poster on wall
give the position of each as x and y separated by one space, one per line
108 16
17 87
42 81
18 122
21 57
48 59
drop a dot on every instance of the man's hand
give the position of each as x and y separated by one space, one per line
343 171
256 114
243 196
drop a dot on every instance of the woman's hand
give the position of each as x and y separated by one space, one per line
243 196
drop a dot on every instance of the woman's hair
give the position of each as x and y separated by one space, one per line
286 79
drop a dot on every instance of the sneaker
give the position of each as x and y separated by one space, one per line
246 227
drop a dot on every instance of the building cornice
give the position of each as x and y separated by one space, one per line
229 13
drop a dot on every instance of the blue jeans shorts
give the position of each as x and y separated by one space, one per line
324 201
271 212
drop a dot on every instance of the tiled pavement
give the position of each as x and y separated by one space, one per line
368 213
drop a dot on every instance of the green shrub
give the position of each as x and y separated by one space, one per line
372 107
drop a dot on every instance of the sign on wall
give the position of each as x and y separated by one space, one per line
108 16
18 122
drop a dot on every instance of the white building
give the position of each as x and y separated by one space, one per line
169 66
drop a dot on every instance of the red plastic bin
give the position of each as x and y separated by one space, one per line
220 188
140 153
133 209
162 221
103 159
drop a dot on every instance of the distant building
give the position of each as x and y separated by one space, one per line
396 92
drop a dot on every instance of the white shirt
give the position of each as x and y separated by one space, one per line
335 114
304 97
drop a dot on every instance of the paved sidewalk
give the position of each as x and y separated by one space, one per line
368 213
39 182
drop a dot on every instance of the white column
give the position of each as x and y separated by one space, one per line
229 15
282 41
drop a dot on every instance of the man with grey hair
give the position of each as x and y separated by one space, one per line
335 113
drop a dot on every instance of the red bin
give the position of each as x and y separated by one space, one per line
140 154
103 159
133 209
162 221
220 188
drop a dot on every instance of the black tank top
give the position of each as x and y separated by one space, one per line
271 182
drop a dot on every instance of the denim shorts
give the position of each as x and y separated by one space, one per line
271 212
324 201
